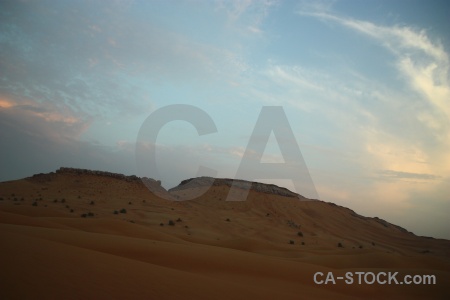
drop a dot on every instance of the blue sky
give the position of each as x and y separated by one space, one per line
364 84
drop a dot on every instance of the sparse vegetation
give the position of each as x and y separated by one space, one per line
63 200
373 244
123 211
1 198
116 212
83 215
92 203
299 233
303 243
291 242
179 220
90 214
161 224
71 210
171 223
340 245
35 203
55 201
228 220
129 203
293 224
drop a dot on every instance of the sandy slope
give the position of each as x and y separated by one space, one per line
218 250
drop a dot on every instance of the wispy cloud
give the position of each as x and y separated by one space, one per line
407 175
247 14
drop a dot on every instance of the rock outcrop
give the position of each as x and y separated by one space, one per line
130 178
256 186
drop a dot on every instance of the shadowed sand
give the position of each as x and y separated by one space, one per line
215 249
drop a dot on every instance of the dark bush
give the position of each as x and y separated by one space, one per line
179 220
83 215
303 243
171 223
161 224
299 233
373 244
291 242
71 210
340 245
129 203
90 214
92 203
35 203
63 200
55 201
116 212
228 220
123 211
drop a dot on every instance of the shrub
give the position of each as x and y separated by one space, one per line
1 198
303 243
90 214
228 220
123 211
171 223
92 203
116 212
360 246
55 201
35 203
63 200
129 203
83 215
291 242
373 244
161 224
299 233
340 245
179 220
71 210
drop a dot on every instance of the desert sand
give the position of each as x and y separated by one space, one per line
70 235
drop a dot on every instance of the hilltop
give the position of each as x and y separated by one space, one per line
109 235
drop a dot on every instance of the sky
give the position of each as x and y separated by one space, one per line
364 85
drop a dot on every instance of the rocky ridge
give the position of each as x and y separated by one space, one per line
256 186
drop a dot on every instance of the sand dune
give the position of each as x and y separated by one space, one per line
216 250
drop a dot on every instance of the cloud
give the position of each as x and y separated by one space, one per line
247 15
101 58
390 174
44 119
41 137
